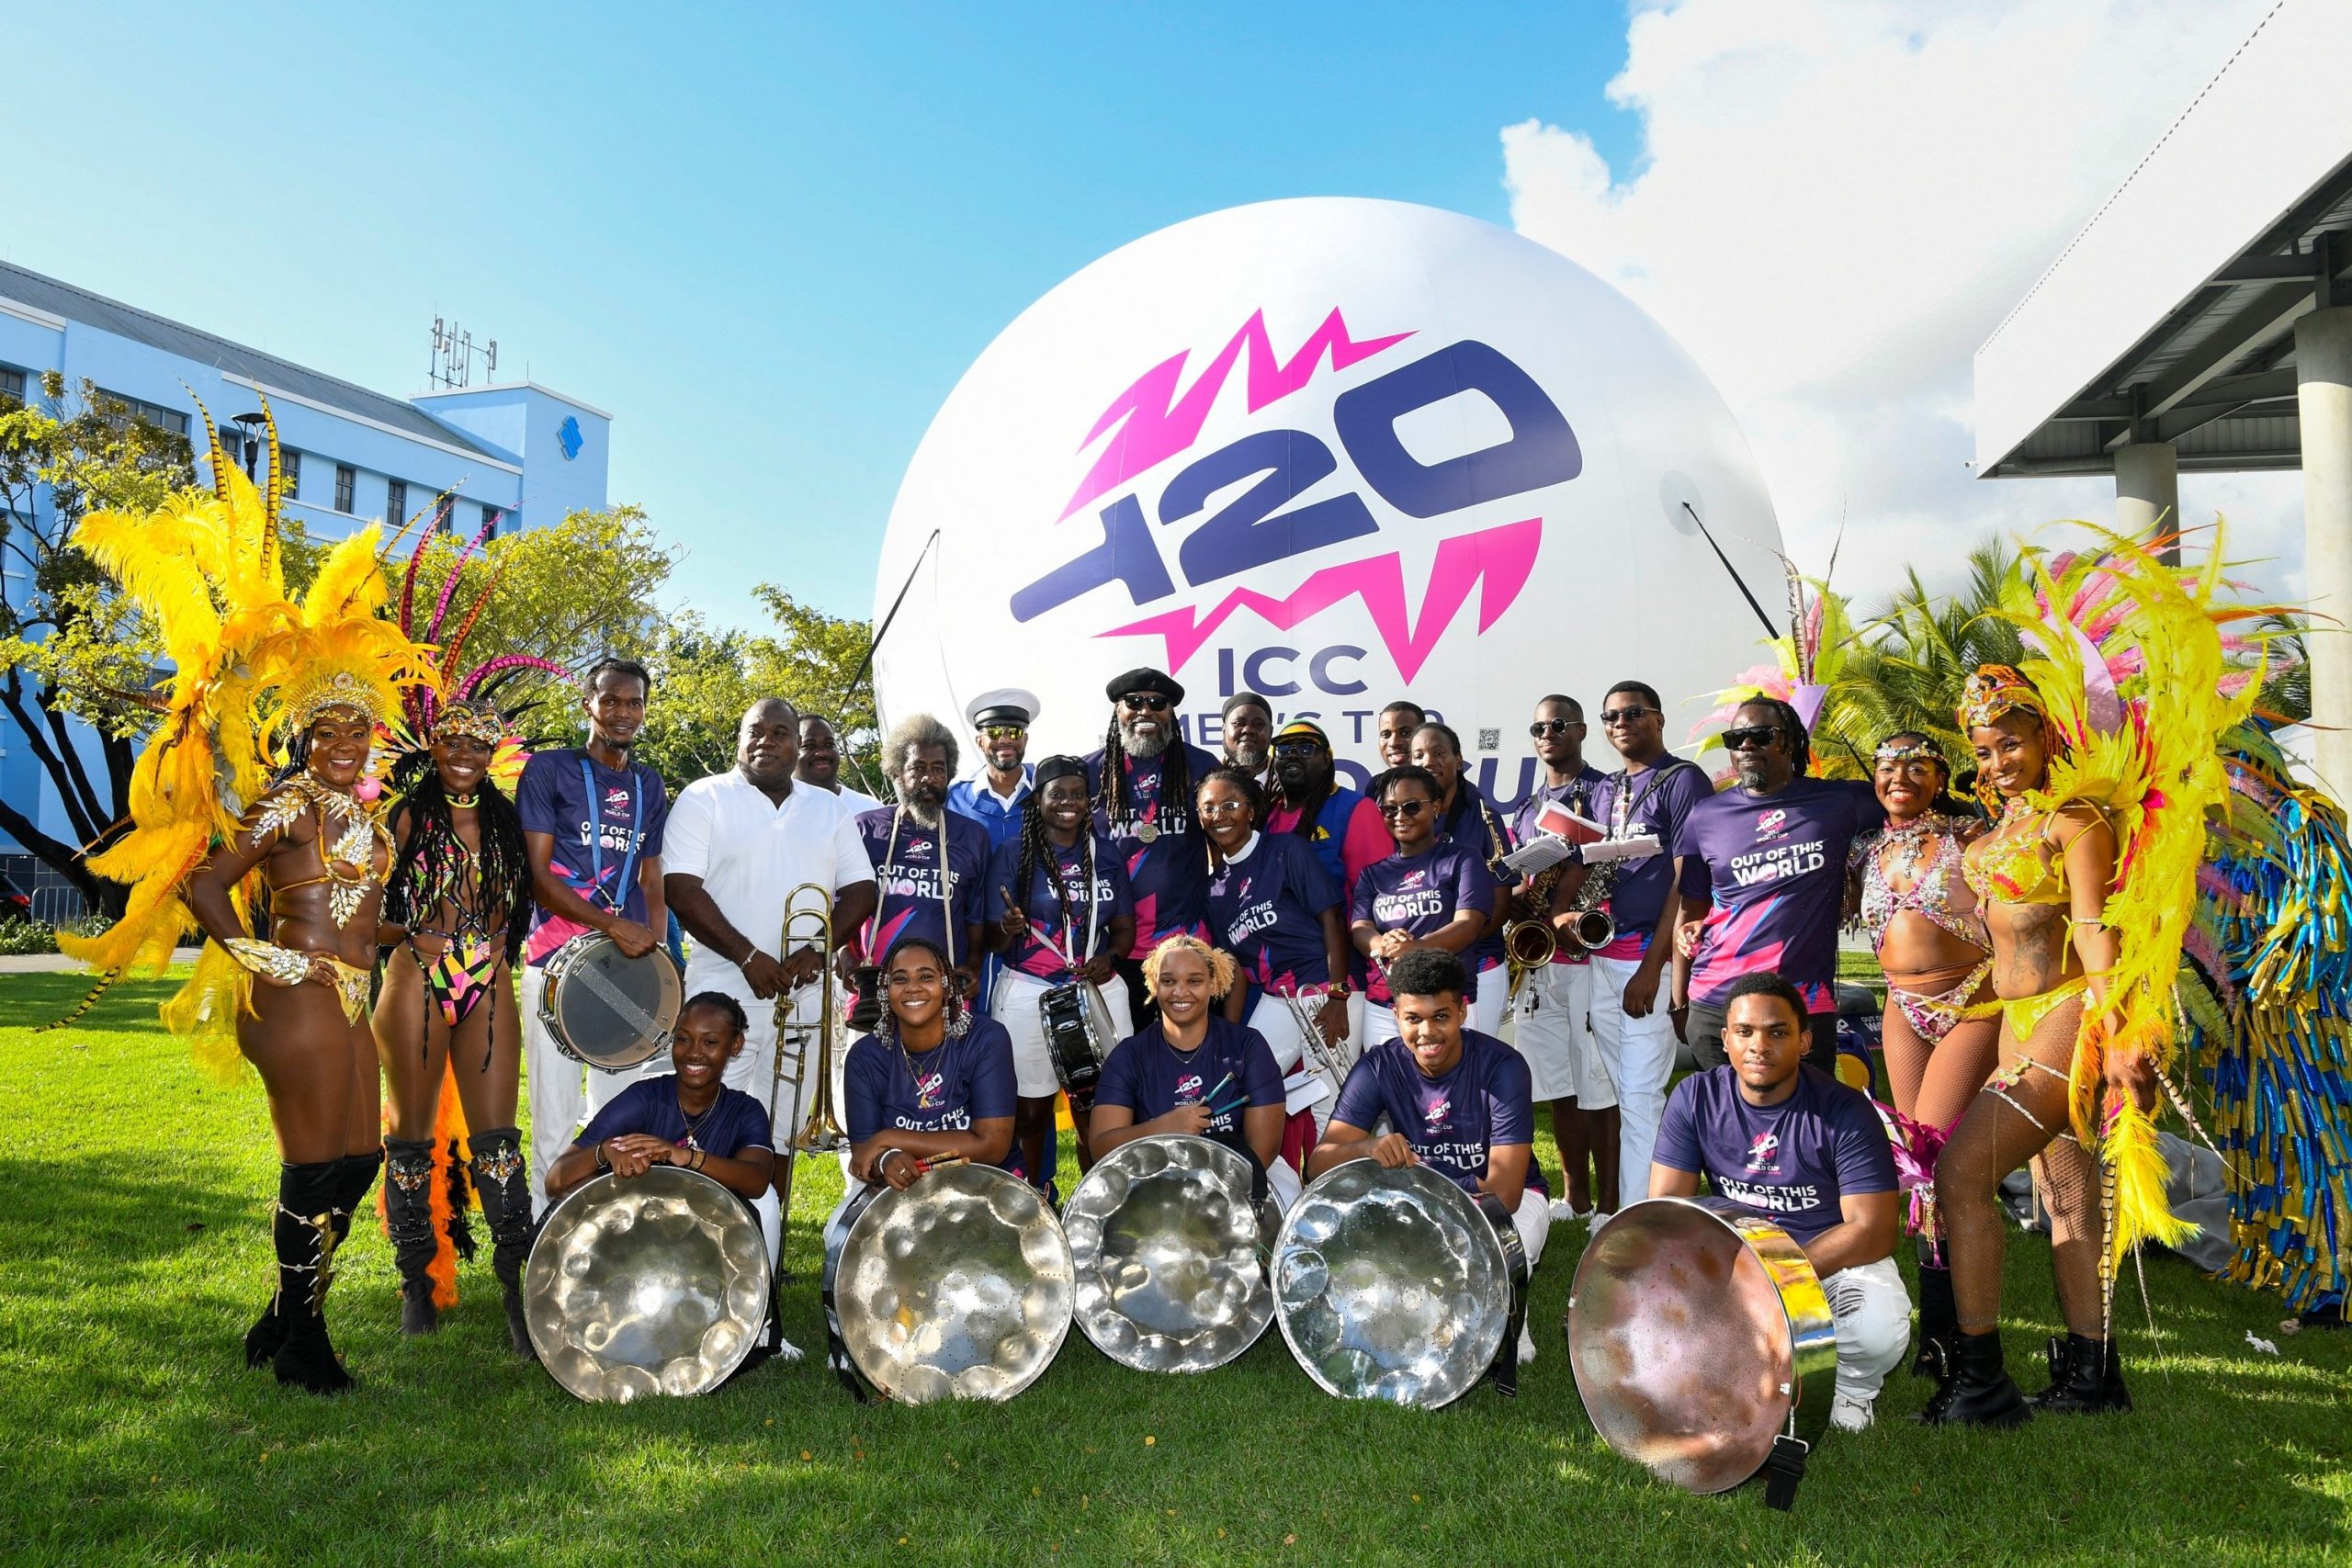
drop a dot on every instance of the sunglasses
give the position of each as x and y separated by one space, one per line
1544 727
1626 715
1144 702
1298 748
1406 808
1005 731
1751 737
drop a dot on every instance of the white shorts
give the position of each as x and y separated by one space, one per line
1555 1033
1015 1005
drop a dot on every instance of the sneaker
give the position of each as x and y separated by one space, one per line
1849 1415
1563 1214
1526 1345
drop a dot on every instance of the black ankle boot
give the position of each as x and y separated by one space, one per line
1938 1320
1975 1390
408 1220
2086 1379
504 1188
305 1239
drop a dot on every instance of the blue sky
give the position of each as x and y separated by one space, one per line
767 240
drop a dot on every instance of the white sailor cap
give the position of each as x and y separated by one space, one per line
1006 705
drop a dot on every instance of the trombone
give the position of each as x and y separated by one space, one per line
1320 1052
807 920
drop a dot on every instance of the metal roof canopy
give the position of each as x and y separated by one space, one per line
2170 317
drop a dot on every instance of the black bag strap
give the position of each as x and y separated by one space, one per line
1505 1371
1783 1468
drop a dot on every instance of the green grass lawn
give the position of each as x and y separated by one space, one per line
133 1251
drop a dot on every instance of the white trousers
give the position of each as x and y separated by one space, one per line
561 1102
1552 1034
1873 1317
1272 1018
754 1071
1638 1055
1017 1003
1532 1221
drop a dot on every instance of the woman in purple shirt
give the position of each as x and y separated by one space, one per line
932 1082
1429 894
1271 905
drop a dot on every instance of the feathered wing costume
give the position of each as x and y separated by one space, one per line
2139 683
250 668
2269 1015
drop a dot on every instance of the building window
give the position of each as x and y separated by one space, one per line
346 481
12 383
156 414
291 471
490 516
396 503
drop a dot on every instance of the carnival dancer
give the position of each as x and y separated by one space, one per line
1457 1098
592 823
1774 848
257 678
1791 1145
1142 783
1429 894
1464 818
1632 1003
820 765
933 1082
1929 938
1555 1001
460 893
737 847
1271 905
1249 732
932 864
1058 911
1194 1070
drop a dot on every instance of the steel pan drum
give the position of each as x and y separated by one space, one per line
605 1009
1699 1333
1390 1284
959 1287
1170 1252
656 1284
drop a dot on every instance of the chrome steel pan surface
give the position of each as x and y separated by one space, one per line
606 1008
1390 1284
959 1287
656 1284
1170 1254
1698 1332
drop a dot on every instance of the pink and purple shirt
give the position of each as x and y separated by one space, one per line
1266 908
1776 871
1166 853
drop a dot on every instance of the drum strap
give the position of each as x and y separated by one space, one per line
1505 1371
596 835
837 1354
1784 1468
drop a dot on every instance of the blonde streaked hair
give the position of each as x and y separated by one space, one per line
1224 973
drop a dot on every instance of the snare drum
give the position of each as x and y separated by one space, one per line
1079 1034
606 1008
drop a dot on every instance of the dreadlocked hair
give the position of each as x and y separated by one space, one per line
1311 811
1175 777
433 867
1792 731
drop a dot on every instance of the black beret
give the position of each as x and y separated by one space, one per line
1145 679
1061 767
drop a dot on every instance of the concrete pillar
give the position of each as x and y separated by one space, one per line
2147 492
2324 408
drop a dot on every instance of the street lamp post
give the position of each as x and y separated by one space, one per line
251 424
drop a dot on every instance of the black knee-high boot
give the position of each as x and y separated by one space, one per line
1939 1319
305 1238
505 1186
408 1220
348 1181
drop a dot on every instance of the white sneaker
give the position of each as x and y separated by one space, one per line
1526 1345
1563 1214
1849 1415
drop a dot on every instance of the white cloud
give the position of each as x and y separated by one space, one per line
1837 202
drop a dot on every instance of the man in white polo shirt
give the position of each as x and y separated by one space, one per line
740 843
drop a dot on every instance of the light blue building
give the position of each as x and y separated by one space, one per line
516 455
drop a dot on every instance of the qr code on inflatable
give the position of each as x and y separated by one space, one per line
1489 740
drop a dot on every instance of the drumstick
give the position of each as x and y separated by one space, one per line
1220 1086
925 1167
1221 1110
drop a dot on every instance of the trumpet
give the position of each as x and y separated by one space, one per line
807 920
1534 940
1327 1058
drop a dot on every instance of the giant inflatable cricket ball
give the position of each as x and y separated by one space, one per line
1337 452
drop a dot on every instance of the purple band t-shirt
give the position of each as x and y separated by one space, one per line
1655 801
1167 854
1476 826
1151 1078
1040 951
1452 1120
734 1123
1266 909
1792 1162
1420 895
1776 870
944 1090
908 874
548 799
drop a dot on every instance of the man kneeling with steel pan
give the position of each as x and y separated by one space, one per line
1459 1102
1787 1141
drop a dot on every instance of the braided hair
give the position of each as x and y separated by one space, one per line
1175 778
431 867
1311 811
1037 852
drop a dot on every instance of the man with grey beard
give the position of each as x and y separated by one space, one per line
932 864
1142 782
1249 733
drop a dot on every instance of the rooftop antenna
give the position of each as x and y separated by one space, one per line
452 363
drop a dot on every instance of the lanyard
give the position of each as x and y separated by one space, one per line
1619 813
1061 897
890 863
596 834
